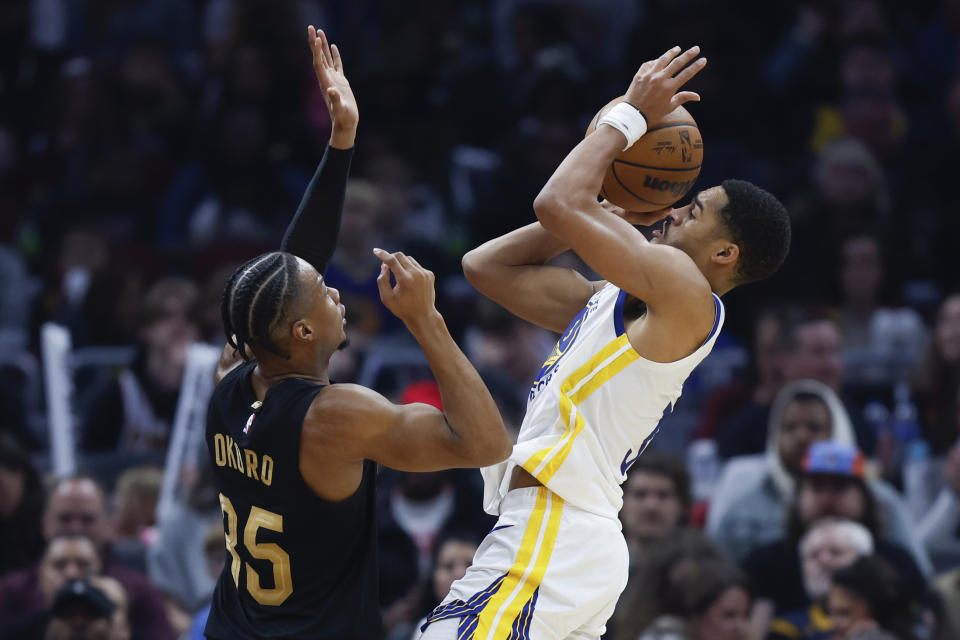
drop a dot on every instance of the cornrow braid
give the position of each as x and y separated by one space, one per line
256 299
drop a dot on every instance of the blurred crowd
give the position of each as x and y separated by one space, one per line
806 485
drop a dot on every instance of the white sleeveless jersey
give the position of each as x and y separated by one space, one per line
594 407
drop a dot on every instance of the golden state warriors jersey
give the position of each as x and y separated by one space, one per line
593 408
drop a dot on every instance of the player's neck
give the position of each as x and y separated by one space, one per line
719 282
270 371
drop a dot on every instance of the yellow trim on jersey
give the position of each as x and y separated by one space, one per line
524 577
572 380
596 373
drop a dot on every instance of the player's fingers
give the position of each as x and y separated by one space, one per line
681 61
311 35
383 282
337 62
324 48
416 264
665 59
682 97
391 260
404 260
386 257
684 76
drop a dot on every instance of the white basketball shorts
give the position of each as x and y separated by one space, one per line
546 570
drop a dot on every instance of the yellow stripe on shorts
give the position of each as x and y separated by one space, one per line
595 373
497 617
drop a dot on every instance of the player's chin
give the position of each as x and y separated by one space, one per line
344 343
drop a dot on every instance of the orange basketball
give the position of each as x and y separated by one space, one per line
660 168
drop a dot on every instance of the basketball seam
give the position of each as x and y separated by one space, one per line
676 124
613 168
648 166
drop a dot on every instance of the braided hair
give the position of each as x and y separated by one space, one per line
257 298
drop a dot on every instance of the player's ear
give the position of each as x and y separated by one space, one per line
301 330
726 253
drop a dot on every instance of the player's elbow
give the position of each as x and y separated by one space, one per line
488 446
493 452
550 208
474 267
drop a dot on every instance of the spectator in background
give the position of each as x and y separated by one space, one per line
80 611
241 193
78 506
708 601
766 376
411 517
947 590
869 595
832 484
134 514
939 529
213 565
937 380
750 502
847 194
500 340
134 413
27 595
120 618
830 544
815 353
176 562
880 343
354 269
452 556
21 508
656 503
668 561
754 492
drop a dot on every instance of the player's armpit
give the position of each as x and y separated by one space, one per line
355 423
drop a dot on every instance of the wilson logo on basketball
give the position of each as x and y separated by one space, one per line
676 187
686 151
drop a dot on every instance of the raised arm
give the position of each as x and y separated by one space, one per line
512 271
361 423
312 234
664 277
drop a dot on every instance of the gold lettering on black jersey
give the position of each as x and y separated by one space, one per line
220 450
251 463
227 453
266 470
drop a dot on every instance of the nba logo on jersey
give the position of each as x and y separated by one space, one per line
256 409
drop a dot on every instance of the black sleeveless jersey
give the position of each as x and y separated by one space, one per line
297 566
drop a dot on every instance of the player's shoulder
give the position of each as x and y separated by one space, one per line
686 288
345 410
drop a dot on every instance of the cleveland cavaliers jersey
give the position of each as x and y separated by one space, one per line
593 408
297 566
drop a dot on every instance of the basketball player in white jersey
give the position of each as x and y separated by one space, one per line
556 562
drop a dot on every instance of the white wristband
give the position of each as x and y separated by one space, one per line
627 119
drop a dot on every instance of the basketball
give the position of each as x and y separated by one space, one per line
660 168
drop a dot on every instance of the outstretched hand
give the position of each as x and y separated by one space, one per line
336 89
654 89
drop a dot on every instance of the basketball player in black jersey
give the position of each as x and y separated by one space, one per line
293 455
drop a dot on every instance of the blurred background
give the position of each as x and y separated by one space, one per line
147 147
